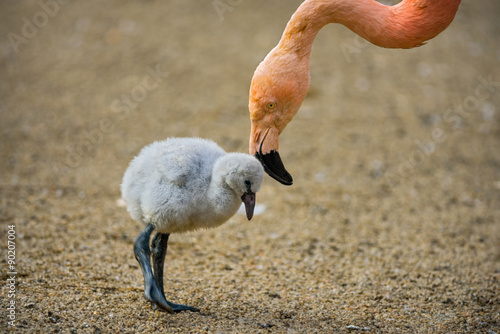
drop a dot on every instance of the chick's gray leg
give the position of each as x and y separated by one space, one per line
159 248
143 255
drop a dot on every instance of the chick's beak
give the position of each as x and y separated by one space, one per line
264 145
248 199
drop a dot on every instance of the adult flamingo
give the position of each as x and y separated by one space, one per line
280 82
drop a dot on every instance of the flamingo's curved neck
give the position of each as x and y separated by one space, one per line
408 24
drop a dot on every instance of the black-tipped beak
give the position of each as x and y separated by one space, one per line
248 199
274 167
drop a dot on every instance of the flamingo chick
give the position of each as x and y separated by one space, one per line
179 185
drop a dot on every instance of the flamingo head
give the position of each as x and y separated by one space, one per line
275 97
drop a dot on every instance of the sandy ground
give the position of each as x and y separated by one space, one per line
391 226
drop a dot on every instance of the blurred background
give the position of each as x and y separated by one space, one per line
390 147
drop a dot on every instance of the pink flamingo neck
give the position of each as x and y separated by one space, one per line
406 25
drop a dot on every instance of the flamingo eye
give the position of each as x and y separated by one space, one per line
271 105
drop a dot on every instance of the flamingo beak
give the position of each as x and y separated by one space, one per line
268 155
274 167
248 199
